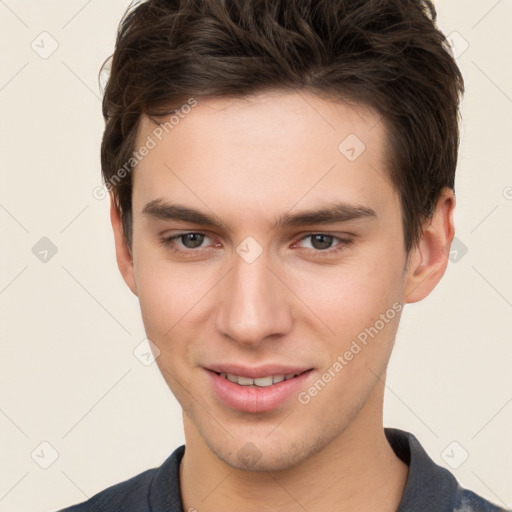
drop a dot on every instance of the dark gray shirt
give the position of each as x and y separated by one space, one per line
429 487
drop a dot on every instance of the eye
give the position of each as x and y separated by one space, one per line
321 243
185 242
192 240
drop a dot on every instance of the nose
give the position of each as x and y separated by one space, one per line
253 305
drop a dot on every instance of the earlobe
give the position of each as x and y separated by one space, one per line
429 259
123 255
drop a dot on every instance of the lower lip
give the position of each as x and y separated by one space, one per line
253 398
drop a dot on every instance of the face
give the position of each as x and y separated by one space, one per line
268 245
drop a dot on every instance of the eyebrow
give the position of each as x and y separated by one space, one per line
159 209
338 212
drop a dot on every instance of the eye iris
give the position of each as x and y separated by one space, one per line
192 240
321 241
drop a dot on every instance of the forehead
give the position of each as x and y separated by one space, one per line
267 152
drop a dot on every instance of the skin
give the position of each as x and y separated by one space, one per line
248 162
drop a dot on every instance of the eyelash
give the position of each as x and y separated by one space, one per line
343 243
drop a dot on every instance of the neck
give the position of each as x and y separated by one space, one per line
357 471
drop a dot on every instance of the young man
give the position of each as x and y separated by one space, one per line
281 175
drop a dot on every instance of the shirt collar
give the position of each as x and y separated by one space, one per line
429 486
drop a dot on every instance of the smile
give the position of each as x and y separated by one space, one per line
265 390
261 382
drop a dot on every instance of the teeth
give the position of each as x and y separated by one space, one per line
261 382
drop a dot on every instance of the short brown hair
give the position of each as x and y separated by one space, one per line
385 54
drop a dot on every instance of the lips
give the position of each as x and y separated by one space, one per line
256 390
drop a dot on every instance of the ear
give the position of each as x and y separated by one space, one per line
429 259
123 255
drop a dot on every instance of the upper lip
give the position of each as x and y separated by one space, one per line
255 372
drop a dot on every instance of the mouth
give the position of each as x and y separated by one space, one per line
258 390
261 382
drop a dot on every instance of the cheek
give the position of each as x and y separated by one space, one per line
362 304
165 298
173 299
349 297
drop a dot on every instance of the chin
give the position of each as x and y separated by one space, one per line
250 457
274 452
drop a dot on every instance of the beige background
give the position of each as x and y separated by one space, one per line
68 375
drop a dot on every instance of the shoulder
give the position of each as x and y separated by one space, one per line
468 501
151 490
126 496
430 486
